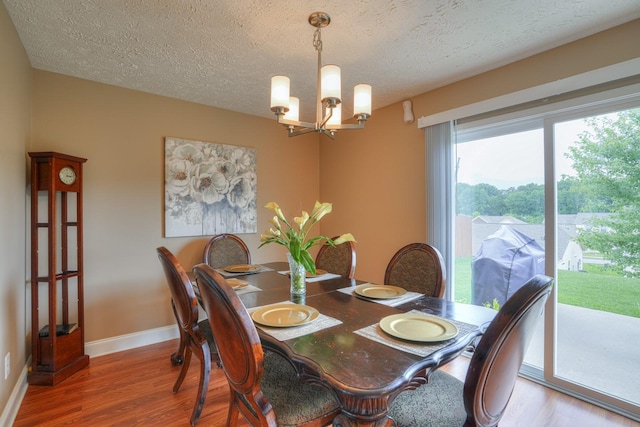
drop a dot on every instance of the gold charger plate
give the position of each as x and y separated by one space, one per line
285 315
418 327
380 291
242 268
237 283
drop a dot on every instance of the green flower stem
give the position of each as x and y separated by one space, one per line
298 276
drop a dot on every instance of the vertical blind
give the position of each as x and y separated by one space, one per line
440 203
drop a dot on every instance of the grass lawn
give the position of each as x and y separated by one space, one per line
597 289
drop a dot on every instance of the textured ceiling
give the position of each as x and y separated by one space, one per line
223 52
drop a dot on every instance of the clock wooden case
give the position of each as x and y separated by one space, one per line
57 276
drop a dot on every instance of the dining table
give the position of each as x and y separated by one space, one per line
351 346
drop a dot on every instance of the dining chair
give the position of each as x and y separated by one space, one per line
339 259
226 249
263 388
483 397
417 267
195 337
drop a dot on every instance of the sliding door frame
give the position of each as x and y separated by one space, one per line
547 116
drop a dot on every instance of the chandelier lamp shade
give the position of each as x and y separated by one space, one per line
328 95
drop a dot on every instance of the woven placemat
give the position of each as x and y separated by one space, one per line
325 276
391 302
375 333
283 334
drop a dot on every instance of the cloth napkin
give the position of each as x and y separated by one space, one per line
391 302
283 334
248 290
326 276
227 274
375 333
248 287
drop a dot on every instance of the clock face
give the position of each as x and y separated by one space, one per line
67 175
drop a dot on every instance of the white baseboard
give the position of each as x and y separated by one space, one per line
10 411
93 349
129 341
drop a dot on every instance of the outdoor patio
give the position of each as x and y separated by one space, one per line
595 348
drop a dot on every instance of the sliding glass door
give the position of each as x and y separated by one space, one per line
500 222
598 272
559 194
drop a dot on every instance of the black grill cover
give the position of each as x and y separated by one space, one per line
505 261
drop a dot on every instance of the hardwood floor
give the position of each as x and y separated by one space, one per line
133 388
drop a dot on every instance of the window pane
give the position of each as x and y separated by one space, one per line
598 311
499 231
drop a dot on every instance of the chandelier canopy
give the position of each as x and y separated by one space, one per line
328 95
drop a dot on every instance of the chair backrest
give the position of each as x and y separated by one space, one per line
417 267
182 294
493 369
238 342
340 259
226 249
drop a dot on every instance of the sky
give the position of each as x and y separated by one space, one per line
515 159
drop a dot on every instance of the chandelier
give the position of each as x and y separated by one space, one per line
328 95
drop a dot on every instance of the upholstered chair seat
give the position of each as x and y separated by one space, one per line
290 397
493 370
264 388
437 404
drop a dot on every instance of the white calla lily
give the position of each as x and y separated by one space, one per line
295 238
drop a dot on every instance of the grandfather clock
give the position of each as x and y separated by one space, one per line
57 295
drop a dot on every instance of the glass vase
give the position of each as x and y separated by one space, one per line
298 276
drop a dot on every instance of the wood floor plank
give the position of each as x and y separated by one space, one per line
133 388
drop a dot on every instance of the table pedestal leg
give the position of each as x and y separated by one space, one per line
364 412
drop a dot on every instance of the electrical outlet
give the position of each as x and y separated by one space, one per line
7 365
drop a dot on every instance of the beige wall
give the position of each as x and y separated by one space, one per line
376 177
376 181
121 133
15 104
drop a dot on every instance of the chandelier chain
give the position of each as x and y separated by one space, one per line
317 39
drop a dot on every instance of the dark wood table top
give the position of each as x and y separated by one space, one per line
365 375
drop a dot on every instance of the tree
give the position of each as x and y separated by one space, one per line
607 160
479 199
571 197
464 199
526 201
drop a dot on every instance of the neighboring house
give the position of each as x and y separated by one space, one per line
581 221
572 257
584 221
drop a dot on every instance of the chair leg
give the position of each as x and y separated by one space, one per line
183 371
204 354
233 413
177 358
216 359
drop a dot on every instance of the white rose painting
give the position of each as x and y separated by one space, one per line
209 188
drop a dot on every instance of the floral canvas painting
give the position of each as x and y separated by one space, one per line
209 188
